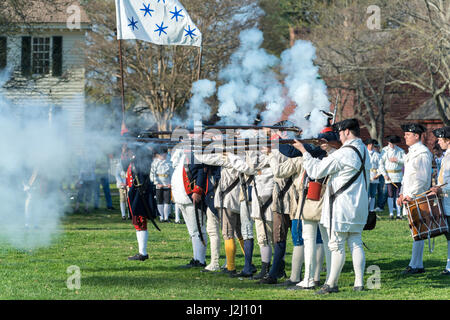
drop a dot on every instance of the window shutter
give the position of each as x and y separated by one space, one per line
26 56
3 52
57 56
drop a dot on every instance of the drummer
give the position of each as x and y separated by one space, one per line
443 135
416 180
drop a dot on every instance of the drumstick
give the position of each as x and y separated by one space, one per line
428 191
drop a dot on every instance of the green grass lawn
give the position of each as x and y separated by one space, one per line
100 242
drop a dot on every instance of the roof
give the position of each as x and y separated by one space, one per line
427 111
46 11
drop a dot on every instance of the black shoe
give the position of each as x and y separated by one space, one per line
418 270
287 283
139 257
361 288
399 218
410 270
326 289
242 274
268 280
265 267
124 218
253 268
128 218
191 264
232 273
391 217
445 272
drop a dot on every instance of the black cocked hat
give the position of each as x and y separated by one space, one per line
413 127
443 132
351 124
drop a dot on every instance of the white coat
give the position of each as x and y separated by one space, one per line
394 170
350 209
160 172
282 170
178 191
374 162
257 164
417 177
228 174
445 172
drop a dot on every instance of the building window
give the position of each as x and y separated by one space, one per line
41 55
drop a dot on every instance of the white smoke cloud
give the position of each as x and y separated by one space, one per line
304 88
201 89
31 144
250 83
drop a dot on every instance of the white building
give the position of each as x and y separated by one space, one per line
43 52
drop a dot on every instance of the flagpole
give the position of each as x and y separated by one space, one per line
122 89
199 62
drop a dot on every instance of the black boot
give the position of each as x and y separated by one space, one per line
265 267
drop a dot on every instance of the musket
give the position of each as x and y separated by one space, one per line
230 143
220 128
244 188
335 109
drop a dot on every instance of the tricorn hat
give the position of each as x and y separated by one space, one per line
414 128
351 124
371 141
443 132
393 139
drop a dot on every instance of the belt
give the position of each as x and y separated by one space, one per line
373 170
393 171
163 175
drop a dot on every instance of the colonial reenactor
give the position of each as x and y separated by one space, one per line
345 206
226 201
121 184
141 198
213 218
160 175
416 180
443 135
256 164
189 187
391 167
374 174
282 206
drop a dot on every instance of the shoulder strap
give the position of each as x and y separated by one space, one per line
334 195
230 187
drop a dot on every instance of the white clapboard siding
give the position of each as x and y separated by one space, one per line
66 92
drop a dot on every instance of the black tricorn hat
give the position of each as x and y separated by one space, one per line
371 141
414 128
257 120
443 132
351 124
393 139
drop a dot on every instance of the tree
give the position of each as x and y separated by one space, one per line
355 58
423 58
159 78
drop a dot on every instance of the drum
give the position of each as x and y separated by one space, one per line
426 217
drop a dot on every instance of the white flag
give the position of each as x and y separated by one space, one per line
163 22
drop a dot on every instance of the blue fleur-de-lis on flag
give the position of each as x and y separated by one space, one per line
190 32
161 28
133 23
176 14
